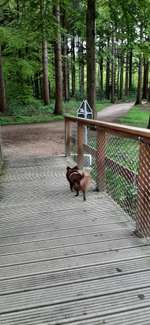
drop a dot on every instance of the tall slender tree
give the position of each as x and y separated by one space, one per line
2 86
140 70
58 62
45 92
90 48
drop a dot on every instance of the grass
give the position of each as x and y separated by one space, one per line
45 118
36 112
138 116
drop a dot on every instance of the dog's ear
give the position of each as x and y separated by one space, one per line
68 168
76 167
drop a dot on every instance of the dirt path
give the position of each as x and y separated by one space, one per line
46 139
113 112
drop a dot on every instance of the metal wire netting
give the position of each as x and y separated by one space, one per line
120 166
117 171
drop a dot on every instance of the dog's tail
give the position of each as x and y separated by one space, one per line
84 183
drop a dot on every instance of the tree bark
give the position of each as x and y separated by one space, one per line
148 126
121 76
101 77
127 76
130 70
81 69
65 70
2 86
139 86
145 79
73 69
113 72
108 74
58 64
148 99
45 84
65 58
46 98
90 48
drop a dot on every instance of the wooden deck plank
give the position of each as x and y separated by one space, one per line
63 260
50 253
74 292
74 261
136 316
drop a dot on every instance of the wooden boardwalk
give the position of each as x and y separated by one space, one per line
65 261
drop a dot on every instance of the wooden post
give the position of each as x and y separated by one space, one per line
80 149
143 202
67 138
100 160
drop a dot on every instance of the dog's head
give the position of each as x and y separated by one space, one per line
70 170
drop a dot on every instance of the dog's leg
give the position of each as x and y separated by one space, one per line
71 187
77 194
84 196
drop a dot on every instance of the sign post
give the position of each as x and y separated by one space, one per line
85 111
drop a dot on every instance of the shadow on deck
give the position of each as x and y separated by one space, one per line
65 261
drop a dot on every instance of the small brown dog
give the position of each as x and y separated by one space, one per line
78 180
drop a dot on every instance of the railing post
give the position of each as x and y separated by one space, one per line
80 149
67 138
100 160
143 201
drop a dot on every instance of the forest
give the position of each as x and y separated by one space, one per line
54 51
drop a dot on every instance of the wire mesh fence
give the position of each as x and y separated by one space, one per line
120 165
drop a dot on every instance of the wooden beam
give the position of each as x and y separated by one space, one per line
110 127
143 202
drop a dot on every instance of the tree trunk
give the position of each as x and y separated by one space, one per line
45 85
127 76
65 57
65 70
90 48
45 72
36 85
58 64
108 75
130 70
81 69
121 76
113 72
73 69
139 87
101 78
148 99
2 86
68 77
145 79
148 126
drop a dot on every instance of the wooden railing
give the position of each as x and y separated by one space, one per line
103 130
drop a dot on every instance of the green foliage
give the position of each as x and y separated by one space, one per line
24 24
137 116
10 120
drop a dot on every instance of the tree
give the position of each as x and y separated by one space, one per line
90 48
58 63
140 68
2 86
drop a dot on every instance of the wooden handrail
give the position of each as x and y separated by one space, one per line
113 127
141 179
